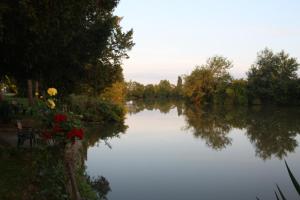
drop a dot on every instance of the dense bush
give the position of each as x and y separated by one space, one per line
96 110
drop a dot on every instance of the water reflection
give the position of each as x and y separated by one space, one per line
163 105
210 125
154 158
98 132
271 130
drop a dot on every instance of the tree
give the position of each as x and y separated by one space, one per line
165 89
179 87
150 91
273 78
107 70
237 93
115 93
135 90
201 85
52 41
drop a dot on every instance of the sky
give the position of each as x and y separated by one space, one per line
174 36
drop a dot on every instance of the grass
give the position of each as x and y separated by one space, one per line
30 174
16 174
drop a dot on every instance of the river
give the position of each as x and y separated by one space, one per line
170 151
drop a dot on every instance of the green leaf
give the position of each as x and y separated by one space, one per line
295 183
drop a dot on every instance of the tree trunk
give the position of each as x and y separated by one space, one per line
36 92
30 97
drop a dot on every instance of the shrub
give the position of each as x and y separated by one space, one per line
96 110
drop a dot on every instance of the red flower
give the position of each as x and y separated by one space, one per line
58 118
75 133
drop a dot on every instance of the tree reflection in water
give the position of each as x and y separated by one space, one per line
98 132
100 185
163 105
209 125
271 130
94 134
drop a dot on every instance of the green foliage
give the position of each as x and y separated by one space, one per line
98 132
114 94
206 81
8 85
273 78
162 104
55 42
237 93
32 174
179 87
137 90
165 89
100 185
96 110
107 69
85 188
150 91
92 188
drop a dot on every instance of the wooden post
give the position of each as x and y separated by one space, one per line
30 97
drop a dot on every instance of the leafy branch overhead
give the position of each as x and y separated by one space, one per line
53 41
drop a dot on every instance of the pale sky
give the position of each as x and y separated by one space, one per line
173 36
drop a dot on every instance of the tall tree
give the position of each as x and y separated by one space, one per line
273 77
179 87
107 70
201 85
52 41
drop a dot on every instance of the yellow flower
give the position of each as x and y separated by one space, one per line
50 104
52 91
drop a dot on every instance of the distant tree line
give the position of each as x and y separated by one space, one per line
272 79
164 89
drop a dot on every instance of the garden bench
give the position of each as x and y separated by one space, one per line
25 134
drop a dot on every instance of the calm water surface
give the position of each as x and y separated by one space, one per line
173 152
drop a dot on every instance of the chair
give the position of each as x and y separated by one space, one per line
25 134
